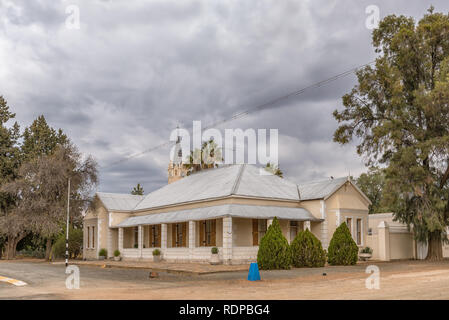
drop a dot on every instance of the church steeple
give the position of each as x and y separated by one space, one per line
176 168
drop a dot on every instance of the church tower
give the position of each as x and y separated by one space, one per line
176 169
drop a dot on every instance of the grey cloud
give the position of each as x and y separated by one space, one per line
134 70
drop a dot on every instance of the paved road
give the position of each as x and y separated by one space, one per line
410 279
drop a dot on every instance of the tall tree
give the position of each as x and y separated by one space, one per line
10 228
40 190
137 190
208 157
41 139
399 113
372 183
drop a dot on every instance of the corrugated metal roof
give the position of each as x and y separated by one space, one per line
241 180
213 212
119 202
320 189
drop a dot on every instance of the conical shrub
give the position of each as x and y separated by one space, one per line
342 249
307 251
274 251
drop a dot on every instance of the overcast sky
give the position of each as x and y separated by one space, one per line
122 82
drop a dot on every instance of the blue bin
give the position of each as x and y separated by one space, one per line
253 274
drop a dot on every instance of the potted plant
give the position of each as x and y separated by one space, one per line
102 254
156 255
214 256
365 253
117 255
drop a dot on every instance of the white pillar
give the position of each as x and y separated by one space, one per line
384 241
306 225
192 239
120 240
109 245
323 226
140 240
227 240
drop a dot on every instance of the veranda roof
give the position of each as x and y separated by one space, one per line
227 210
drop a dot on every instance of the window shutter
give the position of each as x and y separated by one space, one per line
213 233
184 234
158 236
173 235
255 232
150 236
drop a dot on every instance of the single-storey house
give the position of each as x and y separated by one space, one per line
229 208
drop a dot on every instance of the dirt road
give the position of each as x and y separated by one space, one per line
398 280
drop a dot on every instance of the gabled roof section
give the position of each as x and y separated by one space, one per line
118 201
320 189
325 188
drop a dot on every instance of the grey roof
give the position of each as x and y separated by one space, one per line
119 202
243 180
320 189
227 210
240 180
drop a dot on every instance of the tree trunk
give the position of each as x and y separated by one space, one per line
48 248
11 248
435 251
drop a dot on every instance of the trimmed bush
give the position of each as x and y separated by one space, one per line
342 249
214 250
274 251
75 244
156 252
103 252
307 251
116 253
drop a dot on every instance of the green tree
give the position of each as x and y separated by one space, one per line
307 251
399 113
274 251
274 169
372 184
12 228
208 157
137 190
40 190
41 139
342 249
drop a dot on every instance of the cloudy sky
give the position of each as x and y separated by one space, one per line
133 70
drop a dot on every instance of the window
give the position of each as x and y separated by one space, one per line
179 234
349 224
93 238
208 233
259 230
155 236
359 231
293 229
88 238
136 237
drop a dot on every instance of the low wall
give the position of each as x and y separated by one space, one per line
240 255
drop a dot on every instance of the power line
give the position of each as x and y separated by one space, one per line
257 108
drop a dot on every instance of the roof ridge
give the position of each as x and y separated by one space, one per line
238 179
322 180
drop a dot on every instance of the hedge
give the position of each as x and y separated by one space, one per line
342 249
274 251
307 251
